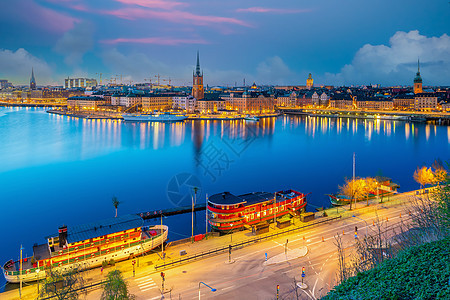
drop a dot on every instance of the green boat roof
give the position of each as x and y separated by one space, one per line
103 227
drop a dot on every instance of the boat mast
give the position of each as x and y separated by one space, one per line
20 273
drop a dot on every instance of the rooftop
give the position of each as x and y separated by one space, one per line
103 227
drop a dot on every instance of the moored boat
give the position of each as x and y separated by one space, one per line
87 246
385 187
229 212
155 117
251 118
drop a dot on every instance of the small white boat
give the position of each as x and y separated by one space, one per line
251 118
155 117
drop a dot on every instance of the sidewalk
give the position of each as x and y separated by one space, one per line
144 265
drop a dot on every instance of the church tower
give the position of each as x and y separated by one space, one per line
418 80
309 82
197 85
32 80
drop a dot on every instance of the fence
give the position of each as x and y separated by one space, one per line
202 254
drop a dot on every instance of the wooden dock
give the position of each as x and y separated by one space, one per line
171 211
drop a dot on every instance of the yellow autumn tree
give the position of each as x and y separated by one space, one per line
358 188
424 176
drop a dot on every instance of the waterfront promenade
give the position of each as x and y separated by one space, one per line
248 275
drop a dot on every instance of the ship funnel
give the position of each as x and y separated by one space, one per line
62 230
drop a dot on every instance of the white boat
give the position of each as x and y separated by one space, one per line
155 117
87 246
251 118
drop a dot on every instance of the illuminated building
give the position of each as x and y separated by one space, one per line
81 102
197 86
418 80
425 101
309 82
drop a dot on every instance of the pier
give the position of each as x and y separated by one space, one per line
153 214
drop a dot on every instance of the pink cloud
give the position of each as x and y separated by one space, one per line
172 16
45 18
163 4
272 10
155 40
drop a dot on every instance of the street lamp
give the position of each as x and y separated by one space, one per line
37 277
201 282
361 220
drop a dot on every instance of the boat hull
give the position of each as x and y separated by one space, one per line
134 249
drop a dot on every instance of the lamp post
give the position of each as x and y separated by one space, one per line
37 278
201 282
361 220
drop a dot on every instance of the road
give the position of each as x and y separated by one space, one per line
248 277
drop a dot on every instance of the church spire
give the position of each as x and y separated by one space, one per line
32 80
197 68
418 66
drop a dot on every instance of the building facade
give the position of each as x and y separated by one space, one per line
425 101
158 102
81 102
187 103
374 103
404 102
250 102
70 83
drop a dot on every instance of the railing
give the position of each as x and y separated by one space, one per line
202 254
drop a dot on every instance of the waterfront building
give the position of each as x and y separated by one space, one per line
205 106
418 80
186 102
341 101
70 83
130 100
250 102
425 101
84 102
288 99
160 102
32 80
374 103
197 85
309 82
404 101
322 100
305 99
445 106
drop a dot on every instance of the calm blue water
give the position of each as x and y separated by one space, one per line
57 170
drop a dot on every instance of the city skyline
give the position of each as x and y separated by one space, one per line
339 43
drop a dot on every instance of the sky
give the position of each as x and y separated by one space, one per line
341 42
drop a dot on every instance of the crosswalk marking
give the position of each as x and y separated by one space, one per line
148 289
145 278
143 286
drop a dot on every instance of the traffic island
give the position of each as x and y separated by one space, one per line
289 255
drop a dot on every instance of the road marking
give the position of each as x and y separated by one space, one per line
148 289
262 278
154 298
228 287
314 288
143 286
145 281
145 278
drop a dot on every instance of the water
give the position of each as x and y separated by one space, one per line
57 170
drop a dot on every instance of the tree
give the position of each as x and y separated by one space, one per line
68 284
358 188
116 203
423 176
440 173
115 287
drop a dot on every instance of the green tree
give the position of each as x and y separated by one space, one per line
62 284
115 287
116 203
